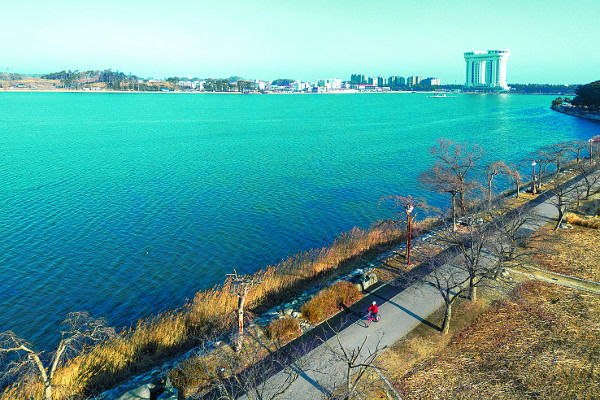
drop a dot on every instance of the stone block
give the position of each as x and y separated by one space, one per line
366 281
139 393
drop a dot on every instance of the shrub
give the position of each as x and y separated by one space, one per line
573 219
283 329
329 301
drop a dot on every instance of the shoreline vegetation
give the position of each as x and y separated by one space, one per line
210 314
586 103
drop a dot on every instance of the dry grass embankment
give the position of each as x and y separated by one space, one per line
575 253
541 341
210 313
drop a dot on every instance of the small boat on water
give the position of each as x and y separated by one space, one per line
439 95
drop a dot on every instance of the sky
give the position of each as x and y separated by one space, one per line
551 41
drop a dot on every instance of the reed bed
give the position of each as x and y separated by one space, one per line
573 219
329 301
283 329
211 312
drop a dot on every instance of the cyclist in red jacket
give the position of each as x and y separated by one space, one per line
373 310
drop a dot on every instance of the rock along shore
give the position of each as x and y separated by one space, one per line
576 112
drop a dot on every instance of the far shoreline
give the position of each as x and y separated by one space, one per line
2 90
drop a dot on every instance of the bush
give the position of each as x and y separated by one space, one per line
283 329
329 301
573 219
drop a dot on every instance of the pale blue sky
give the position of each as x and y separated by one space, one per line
553 41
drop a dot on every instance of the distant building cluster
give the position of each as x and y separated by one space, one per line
279 85
357 83
486 70
393 81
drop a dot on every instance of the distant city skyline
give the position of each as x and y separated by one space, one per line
307 40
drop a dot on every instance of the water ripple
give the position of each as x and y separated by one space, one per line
131 209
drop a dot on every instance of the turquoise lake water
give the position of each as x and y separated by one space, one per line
127 204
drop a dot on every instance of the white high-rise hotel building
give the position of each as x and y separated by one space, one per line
487 69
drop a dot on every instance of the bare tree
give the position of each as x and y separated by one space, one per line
357 363
261 370
470 243
241 285
80 331
591 178
542 158
436 177
449 280
515 176
455 162
491 170
564 197
514 231
575 147
556 153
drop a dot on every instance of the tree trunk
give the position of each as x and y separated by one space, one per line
490 194
45 378
48 391
561 215
453 212
348 385
472 291
447 316
241 300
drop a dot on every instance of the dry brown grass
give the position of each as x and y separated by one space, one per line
329 301
542 343
572 252
283 329
573 219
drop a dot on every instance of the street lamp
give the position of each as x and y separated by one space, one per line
533 164
409 211
591 143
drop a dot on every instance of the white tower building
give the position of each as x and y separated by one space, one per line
486 69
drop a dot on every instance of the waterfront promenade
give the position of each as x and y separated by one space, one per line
401 309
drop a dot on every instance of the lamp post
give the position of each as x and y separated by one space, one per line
533 164
591 148
409 211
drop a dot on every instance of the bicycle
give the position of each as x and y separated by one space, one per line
371 317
